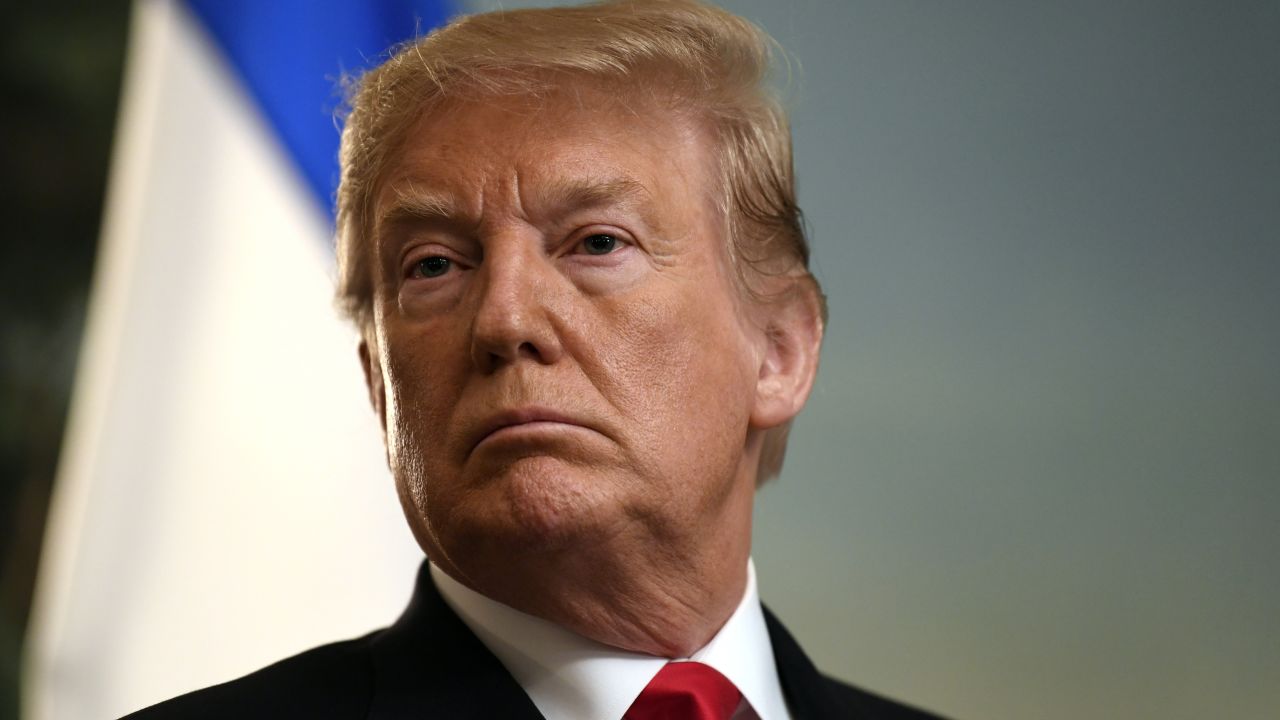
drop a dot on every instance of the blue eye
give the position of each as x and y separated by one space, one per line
600 244
433 266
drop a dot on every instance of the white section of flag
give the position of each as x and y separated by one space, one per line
222 500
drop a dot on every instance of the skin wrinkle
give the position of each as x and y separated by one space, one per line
636 534
634 610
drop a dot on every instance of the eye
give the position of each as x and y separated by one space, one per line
600 244
430 267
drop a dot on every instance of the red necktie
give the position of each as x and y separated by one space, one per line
686 691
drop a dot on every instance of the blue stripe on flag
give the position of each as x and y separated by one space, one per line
291 53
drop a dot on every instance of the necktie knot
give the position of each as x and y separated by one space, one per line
686 691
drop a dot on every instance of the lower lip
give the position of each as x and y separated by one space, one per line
539 430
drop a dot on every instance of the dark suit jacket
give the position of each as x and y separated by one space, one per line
430 665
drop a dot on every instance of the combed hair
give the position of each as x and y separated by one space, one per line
709 62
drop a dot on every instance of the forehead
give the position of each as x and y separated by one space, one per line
575 143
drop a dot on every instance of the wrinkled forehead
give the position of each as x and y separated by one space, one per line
575 144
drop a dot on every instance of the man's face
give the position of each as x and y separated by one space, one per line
561 358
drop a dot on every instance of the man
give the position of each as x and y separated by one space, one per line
570 243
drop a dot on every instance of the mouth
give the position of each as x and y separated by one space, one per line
524 423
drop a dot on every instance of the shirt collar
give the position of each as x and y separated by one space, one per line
569 676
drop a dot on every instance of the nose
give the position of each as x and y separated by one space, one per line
514 318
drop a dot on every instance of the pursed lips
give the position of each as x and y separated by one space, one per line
522 416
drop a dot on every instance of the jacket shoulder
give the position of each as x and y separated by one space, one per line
331 681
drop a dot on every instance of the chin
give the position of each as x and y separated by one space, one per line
531 506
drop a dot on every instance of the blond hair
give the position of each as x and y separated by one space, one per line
712 62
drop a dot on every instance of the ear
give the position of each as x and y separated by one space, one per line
373 381
793 327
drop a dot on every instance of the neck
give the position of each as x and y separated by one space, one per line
657 592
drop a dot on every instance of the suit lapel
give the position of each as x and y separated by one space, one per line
429 665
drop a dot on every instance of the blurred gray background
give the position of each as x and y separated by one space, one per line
1040 473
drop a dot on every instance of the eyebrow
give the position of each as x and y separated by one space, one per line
569 194
412 204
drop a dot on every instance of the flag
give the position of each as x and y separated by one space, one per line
222 499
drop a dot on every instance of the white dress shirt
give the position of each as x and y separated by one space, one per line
570 677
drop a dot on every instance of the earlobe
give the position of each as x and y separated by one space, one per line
373 382
793 340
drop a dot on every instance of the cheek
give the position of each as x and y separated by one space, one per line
679 368
422 385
